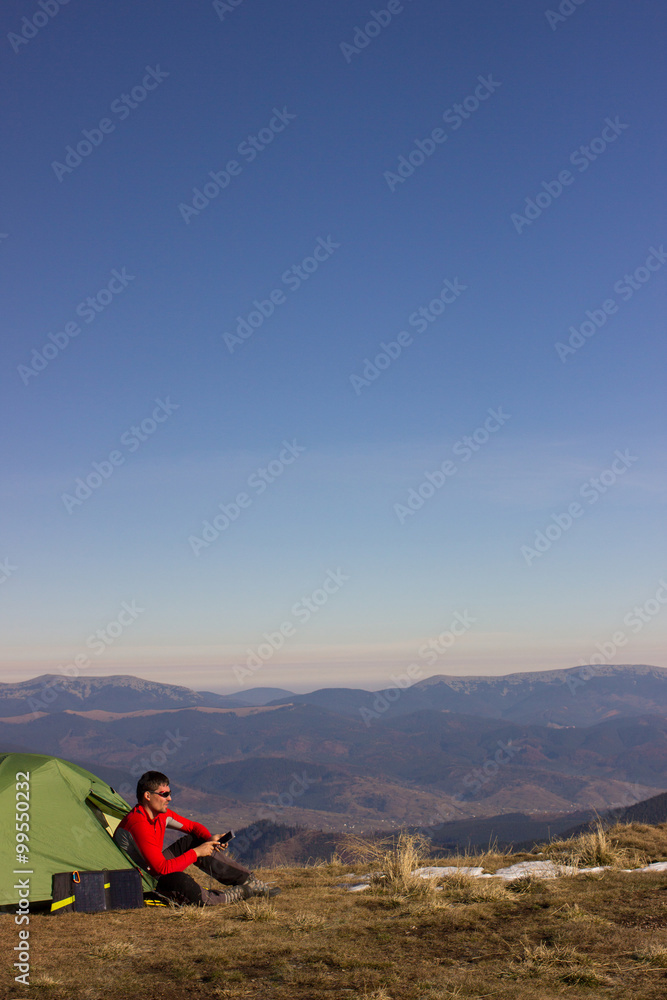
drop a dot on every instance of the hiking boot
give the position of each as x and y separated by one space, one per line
230 894
255 887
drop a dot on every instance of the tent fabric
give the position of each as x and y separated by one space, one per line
68 806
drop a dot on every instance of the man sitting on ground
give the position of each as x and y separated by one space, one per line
141 835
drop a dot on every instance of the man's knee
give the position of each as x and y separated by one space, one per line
181 888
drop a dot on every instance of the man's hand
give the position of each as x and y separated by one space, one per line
206 849
216 840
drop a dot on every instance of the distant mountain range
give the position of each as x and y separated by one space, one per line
122 694
263 696
57 693
445 750
579 696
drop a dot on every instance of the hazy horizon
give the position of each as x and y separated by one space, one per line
397 678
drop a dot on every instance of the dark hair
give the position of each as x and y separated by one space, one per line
150 782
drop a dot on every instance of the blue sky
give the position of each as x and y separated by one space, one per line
314 211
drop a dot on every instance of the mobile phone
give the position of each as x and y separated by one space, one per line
227 837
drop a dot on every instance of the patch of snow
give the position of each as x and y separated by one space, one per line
436 872
543 869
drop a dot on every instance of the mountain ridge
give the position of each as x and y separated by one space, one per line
528 696
424 755
569 697
46 690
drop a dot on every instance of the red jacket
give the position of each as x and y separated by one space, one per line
143 839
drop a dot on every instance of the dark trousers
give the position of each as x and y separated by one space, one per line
221 867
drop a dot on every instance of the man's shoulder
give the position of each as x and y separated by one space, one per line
136 815
179 822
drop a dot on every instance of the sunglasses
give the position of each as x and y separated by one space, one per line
164 795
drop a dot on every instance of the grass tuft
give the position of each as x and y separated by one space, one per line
525 884
563 964
575 914
45 982
654 954
258 909
306 921
111 950
463 888
195 914
593 849
393 860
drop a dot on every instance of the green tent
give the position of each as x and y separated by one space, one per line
72 817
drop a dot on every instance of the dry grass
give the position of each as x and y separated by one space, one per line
599 847
46 983
654 954
642 838
526 883
463 888
391 860
306 921
490 860
258 909
560 963
401 940
113 950
573 912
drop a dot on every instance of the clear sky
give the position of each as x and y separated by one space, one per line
341 318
